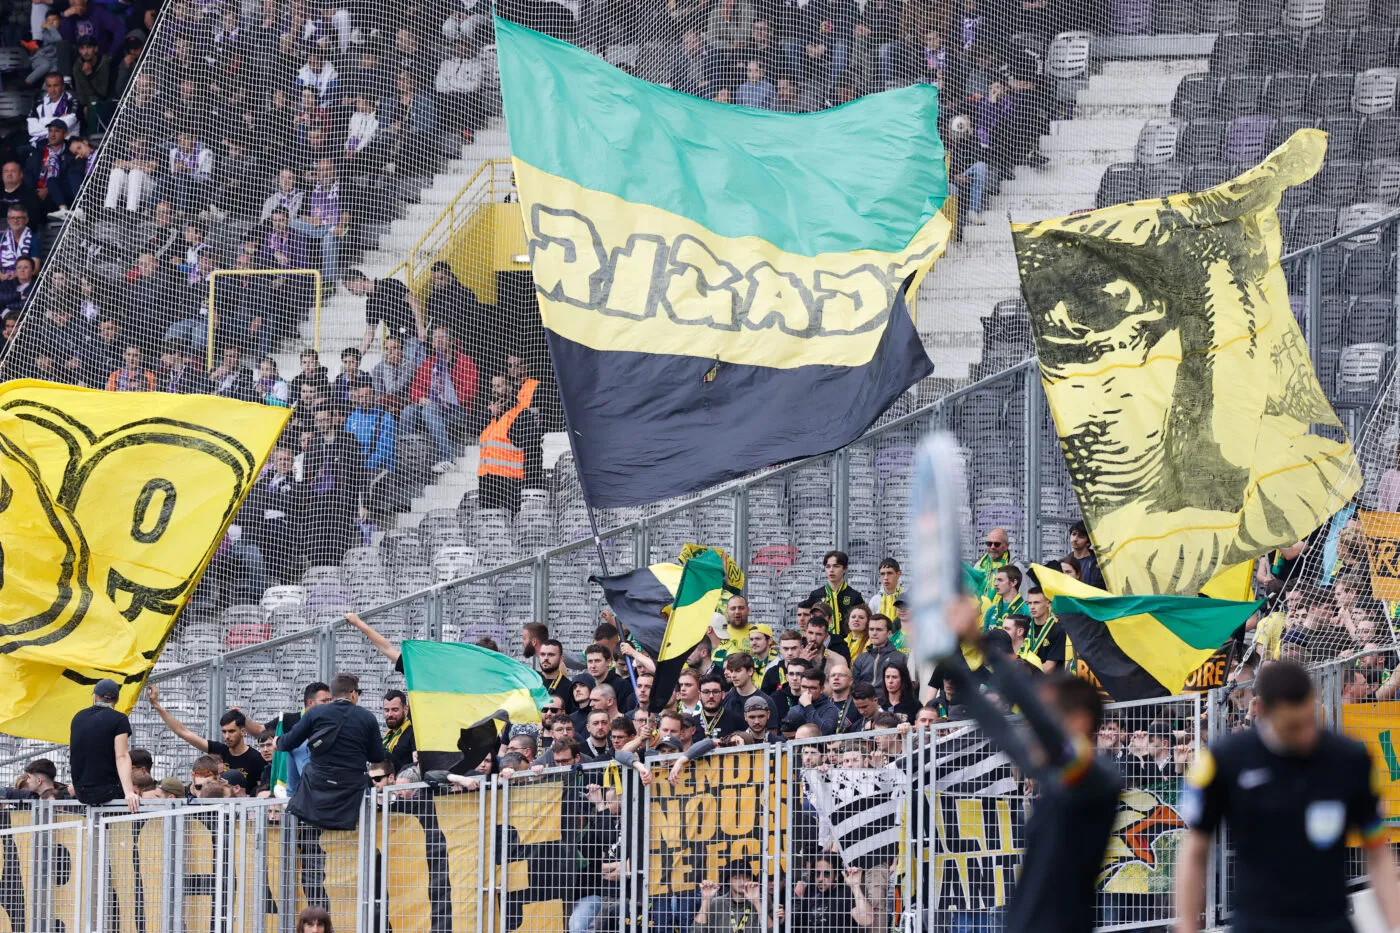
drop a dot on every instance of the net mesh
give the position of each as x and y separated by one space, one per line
288 200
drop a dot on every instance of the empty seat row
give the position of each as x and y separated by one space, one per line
1316 50
1193 16
1332 93
1249 138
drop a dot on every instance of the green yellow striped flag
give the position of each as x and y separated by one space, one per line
1141 646
697 594
454 688
722 288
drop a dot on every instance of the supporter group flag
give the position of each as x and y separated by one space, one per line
111 506
1180 385
722 288
666 609
1141 646
461 693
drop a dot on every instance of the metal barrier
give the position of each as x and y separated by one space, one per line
920 828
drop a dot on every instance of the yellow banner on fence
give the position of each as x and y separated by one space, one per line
1382 531
1376 725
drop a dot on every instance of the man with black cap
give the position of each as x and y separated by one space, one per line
344 741
99 748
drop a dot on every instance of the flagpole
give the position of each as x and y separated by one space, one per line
603 565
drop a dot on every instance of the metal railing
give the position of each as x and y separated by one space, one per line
491 183
555 848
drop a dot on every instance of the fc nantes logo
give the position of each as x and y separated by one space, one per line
1143 845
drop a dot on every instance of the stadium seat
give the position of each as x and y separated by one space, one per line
1217 15
1379 136
1274 52
1171 17
1200 141
1360 370
1373 47
1332 321
1336 181
1241 95
1195 97
1311 225
1130 17
1068 55
1161 181
1363 273
1347 13
1375 91
1356 216
1380 181
1247 139
1304 14
1259 15
1232 53
1121 183
1157 141
1324 50
1331 94
1287 94
1342 135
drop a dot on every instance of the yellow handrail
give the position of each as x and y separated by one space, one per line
214 317
498 180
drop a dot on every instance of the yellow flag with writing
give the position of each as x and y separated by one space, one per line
111 506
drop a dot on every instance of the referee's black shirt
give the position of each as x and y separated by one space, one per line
1288 817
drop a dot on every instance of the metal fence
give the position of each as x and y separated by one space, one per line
891 822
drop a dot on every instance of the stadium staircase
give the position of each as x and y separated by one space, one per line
978 275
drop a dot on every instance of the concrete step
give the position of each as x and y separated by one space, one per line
1069 135
1028 207
1139 112
1146 89
1074 158
1134 69
1053 179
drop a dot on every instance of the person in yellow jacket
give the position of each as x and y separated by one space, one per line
998 556
509 443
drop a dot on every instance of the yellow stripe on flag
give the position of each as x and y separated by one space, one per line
1236 583
1157 650
440 717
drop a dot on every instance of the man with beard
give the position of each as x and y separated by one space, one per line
550 655
398 730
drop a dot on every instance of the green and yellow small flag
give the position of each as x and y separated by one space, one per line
1141 646
454 688
697 593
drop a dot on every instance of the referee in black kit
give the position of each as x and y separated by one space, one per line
1288 790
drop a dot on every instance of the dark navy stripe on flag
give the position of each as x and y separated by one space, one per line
647 426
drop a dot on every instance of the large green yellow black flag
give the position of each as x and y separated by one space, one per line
1180 385
722 288
111 505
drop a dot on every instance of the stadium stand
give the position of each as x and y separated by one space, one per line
356 154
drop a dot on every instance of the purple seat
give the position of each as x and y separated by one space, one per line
1131 17
1247 138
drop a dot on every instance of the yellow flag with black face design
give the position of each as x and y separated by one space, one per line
1180 385
111 506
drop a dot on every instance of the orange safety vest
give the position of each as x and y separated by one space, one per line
499 457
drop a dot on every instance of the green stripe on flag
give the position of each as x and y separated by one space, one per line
1197 622
863 176
697 597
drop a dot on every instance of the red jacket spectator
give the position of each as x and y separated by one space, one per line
463 380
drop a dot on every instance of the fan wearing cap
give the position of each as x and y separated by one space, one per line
764 651
100 751
758 715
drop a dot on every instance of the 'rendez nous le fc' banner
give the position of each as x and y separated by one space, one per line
722 288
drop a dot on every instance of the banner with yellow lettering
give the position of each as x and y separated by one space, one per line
111 505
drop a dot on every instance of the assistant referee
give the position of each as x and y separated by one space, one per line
1288 790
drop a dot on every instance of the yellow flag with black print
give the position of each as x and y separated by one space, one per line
111 506
1180 385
